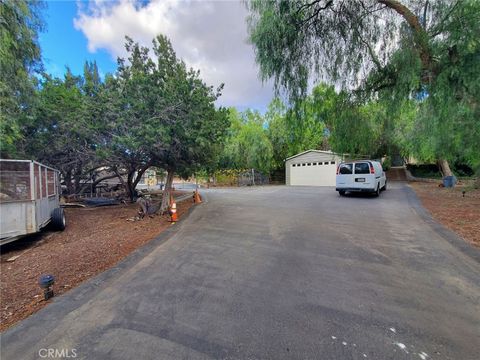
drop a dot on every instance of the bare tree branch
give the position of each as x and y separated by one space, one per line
317 11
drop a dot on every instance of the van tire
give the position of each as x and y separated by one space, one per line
341 192
58 219
384 186
377 192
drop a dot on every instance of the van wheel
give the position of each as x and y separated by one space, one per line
58 219
341 192
377 192
384 186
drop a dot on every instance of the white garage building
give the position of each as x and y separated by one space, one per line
312 168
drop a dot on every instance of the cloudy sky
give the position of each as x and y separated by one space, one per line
208 35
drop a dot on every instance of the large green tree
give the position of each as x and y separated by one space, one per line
20 59
279 132
359 130
133 115
308 119
163 115
405 47
247 145
306 125
60 131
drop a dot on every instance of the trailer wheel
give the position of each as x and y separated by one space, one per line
58 219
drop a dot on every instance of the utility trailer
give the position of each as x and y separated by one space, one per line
29 199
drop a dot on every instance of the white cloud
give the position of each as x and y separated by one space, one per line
208 35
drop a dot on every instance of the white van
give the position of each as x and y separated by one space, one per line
361 176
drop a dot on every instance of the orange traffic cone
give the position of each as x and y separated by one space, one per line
196 197
173 210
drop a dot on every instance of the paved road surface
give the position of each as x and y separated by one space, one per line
275 273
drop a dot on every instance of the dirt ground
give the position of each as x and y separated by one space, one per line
94 240
448 206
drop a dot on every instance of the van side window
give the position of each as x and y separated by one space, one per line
345 169
362 168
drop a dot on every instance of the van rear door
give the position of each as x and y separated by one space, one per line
363 177
345 176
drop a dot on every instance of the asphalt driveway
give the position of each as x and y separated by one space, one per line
275 273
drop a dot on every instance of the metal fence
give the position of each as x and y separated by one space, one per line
252 177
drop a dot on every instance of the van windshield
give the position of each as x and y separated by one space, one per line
345 169
362 168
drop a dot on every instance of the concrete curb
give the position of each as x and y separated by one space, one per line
183 197
440 229
75 298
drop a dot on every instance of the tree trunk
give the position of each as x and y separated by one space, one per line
132 181
444 167
139 175
130 185
167 191
121 179
77 177
68 182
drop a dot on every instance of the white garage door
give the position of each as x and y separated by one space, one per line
313 173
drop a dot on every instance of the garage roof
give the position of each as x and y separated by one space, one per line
316 151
